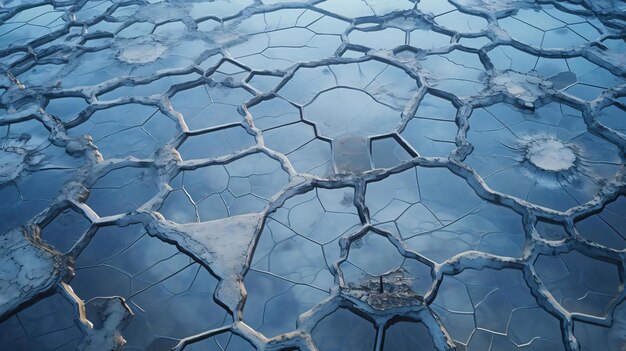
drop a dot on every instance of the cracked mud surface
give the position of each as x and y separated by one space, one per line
243 175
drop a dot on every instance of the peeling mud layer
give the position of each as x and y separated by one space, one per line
242 175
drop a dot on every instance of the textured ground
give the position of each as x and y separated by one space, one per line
313 175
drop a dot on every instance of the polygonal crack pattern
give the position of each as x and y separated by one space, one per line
243 175
490 308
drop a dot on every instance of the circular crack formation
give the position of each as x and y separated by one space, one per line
550 154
